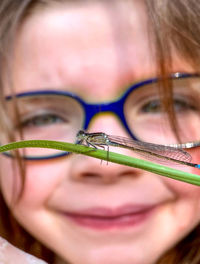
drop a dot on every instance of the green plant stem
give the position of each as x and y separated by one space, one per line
102 154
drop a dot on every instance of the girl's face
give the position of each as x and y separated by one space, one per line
85 211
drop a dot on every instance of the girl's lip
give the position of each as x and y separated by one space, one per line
107 218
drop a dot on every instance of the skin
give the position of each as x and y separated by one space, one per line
72 42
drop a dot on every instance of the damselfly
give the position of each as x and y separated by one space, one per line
151 151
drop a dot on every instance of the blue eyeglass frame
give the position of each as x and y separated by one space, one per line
90 110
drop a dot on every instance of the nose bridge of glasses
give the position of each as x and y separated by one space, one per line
94 110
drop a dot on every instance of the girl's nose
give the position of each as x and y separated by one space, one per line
94 171
85 168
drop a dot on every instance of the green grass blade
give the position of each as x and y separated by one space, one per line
102 154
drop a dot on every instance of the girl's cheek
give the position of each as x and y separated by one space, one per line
185 210
187 190
187 193
10 180
42 180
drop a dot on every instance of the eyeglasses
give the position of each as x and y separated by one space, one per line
59 115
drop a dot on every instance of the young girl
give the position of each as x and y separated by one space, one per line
123 67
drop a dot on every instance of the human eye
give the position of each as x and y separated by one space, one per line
180 105
46 117
41 119
184 104
152 106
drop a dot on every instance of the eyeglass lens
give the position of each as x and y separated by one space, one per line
149 122
45 117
